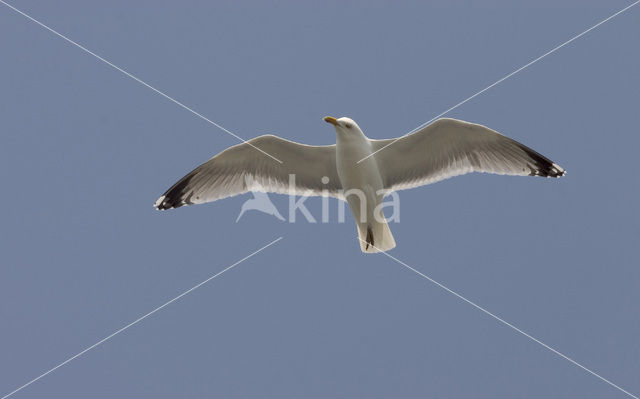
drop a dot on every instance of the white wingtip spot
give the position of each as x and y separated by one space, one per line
560 169
158 202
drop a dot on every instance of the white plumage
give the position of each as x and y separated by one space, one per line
363 169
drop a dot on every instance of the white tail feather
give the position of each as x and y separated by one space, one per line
375 237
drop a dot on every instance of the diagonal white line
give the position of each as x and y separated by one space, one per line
504 78
506 323
140 319
137 79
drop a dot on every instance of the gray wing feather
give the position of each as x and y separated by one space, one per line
450 147
242 168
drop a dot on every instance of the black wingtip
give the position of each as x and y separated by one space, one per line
162 204
176 196
541 165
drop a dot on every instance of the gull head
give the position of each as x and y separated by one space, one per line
344 126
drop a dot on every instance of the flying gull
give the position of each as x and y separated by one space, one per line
357 169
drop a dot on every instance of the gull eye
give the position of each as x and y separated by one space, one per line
348 125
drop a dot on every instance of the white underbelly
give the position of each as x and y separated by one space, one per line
361 182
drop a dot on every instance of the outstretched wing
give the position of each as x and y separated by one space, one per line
243 168
450 147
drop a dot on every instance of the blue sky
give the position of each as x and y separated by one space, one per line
86 151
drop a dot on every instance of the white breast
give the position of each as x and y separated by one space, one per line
354 175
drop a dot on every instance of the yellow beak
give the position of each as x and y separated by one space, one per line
331 120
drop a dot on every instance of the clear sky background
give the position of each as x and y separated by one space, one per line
85 151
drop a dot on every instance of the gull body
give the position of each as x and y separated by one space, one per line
357 169
362 184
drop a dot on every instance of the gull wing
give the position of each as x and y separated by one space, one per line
450 147
243 168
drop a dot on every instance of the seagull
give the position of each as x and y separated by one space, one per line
358 170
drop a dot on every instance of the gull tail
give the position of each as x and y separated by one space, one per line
375 237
